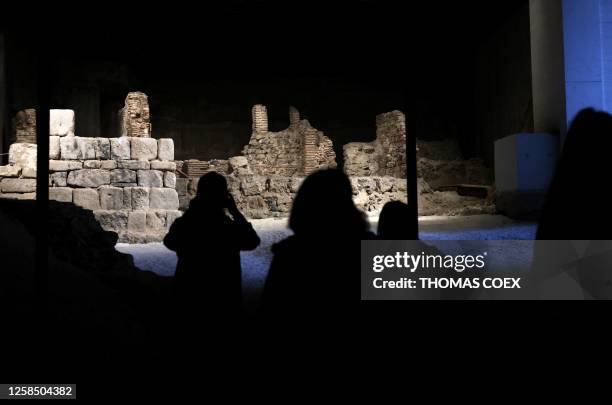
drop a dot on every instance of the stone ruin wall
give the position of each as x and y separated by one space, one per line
134 117
296 151
386 156
265 180
128 182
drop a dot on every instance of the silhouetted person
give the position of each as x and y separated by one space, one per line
577 204
208 244
318 268
393 222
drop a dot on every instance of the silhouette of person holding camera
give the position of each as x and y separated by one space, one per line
208 242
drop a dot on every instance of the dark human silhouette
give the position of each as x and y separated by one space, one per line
208 243
318 268
577 204
393 222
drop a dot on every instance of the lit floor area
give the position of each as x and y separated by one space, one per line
156 258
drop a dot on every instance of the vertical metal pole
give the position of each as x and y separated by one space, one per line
42 183
411 169
3 99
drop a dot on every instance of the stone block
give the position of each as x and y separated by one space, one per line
92 164
86 198
127 198
61 194
172 216
137 221
143 148
239 165
120 148
54 147
88 178
163 198
61 122
163 165
150 178
103 149
108 164
111 198
18 185
23 155
166 149
123 176
18 196
75 148
64 165
28 173
139 197
169 179
156 220
10 171
58 179
133 164
115 221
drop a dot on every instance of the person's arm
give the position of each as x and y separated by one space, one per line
246 236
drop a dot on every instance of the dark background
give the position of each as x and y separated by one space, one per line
457 69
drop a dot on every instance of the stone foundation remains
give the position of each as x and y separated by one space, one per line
296 151
386 156
135 117
128 182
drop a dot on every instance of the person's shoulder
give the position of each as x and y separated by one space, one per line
286 245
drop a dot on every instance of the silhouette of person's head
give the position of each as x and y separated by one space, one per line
393 221
572 210
212 191
324 204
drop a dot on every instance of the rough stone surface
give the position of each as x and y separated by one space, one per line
28 173
103 149
169 179
172 216
143 148
92 164
86 198
120 148
135 116
10 185
386 156
23 155
156 220
239 165
137 221
165 149
108 164
61 122
10 171
58 179
61 194
54 147
150 178
139 198
133 164
295 151
76 147
112 220
89 178
163 165
64 165
111 198
123 176
24 126
164 199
